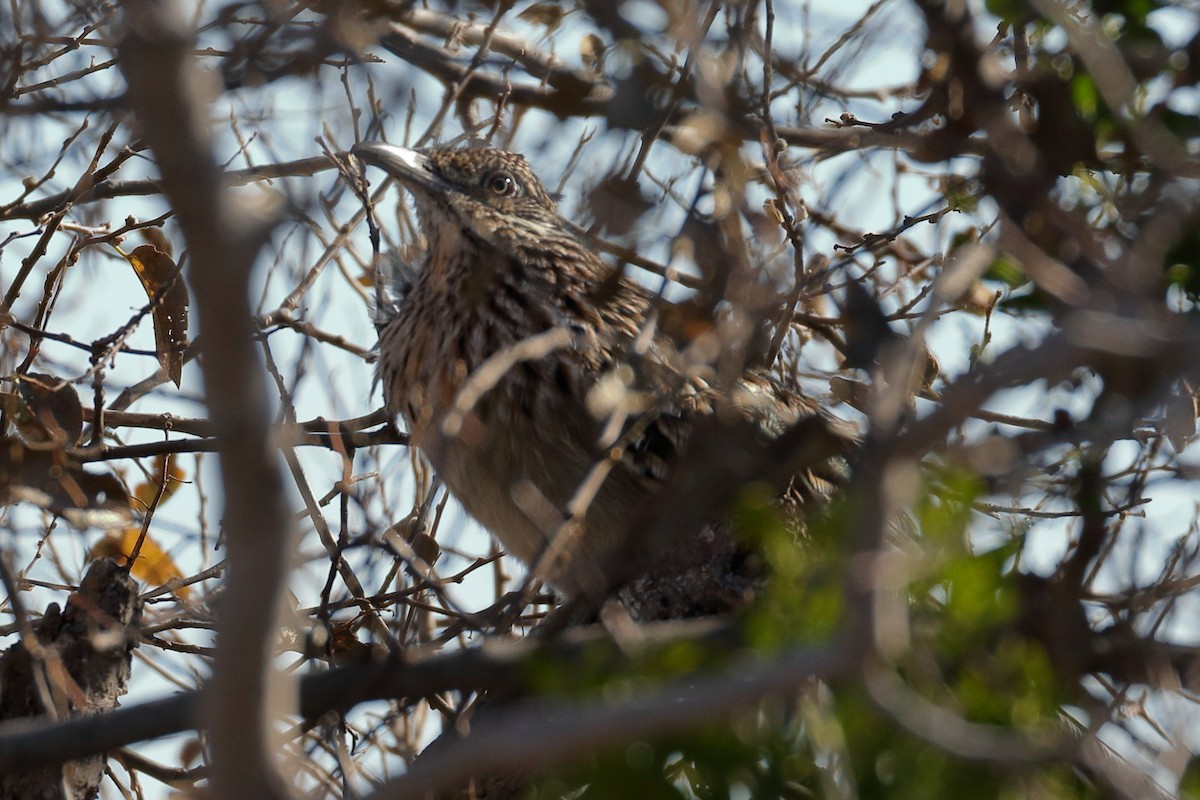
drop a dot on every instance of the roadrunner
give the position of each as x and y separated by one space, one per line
530 374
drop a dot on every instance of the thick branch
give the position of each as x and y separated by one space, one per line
223 241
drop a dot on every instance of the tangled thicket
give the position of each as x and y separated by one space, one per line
970 228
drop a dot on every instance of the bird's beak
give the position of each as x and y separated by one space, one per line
410 167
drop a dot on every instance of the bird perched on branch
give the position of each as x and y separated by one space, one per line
532 376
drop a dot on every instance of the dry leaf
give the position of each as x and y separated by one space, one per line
156 237
686 321
591 51
1179 419
54 481
145 491
548 14
339 641
190 751
153 565
23 419
771 209
980 299
853 393
411 542
617 203
866 331
159 273
701 131
45 410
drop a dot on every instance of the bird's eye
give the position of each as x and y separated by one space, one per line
502 184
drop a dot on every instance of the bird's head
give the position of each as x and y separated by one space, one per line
489 194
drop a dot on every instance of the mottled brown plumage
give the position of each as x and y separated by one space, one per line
601 403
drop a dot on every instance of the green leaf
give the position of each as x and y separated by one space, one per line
1033 302
1085 95
1011 11
1006 270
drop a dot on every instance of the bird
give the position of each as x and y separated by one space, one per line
533 377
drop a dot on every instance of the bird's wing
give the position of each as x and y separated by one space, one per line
655 439
669 398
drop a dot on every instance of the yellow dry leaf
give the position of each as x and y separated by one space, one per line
161 279
146 490
153 565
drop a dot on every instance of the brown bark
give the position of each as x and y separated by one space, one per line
77 661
